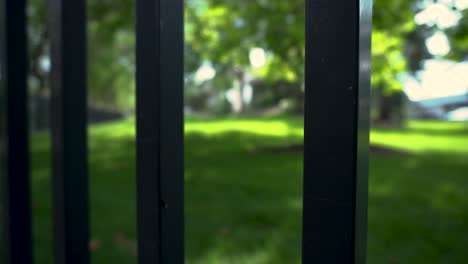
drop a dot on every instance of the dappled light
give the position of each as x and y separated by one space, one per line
423 138
416 206
417 212
418 200
263 127
224 176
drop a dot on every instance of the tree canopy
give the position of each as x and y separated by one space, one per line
223 33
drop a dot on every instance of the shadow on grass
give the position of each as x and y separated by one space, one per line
240 207
244 206
417 209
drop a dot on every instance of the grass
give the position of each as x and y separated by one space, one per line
245 207
418 207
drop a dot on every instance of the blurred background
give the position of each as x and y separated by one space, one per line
244 98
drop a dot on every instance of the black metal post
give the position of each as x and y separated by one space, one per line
160 131
14 143
336 131
69 137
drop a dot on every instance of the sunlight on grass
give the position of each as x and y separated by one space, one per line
425 136
257 127
438 126
244 207
272 127
418 200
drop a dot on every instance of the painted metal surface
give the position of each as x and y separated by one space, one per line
160 136
14 145
336 131
67 24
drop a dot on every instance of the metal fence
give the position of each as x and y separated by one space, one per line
336 142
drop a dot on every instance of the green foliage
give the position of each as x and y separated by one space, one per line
393 21
387 61
394 16
224 32
37 42
459 38
111 43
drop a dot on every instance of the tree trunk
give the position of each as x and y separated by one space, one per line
391 109
385 109
240 74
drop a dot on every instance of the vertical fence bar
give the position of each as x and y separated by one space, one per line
148 71
172 130
14 145
336 131
160 131
363 128
69 140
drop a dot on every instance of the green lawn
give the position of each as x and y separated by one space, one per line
418 207
244 206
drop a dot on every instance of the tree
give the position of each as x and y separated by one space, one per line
111 50
38 44
393 24
224 32
458 37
